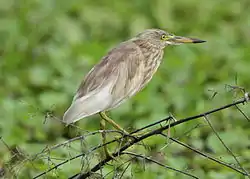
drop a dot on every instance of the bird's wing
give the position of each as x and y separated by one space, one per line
107 83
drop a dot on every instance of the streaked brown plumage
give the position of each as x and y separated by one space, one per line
123 72
127 68
129 74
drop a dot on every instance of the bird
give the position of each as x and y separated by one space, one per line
123 72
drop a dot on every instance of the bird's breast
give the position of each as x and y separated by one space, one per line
152 62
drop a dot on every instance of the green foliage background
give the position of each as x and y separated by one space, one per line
47 46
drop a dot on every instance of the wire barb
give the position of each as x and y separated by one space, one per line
159 127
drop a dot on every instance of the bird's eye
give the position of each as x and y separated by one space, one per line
164 37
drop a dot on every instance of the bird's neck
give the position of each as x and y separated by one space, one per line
150 51
148 47
152 59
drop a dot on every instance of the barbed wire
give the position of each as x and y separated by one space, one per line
165 124
159 131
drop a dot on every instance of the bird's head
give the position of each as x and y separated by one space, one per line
162 38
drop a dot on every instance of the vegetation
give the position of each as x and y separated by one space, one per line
48 46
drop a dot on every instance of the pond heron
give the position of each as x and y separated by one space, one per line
123 72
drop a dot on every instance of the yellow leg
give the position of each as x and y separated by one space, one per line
103 121
115 125
102 127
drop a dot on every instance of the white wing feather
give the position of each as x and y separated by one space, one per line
94 102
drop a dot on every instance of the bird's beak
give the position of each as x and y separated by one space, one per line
179 39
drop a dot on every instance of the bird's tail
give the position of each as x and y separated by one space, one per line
75 112
88 105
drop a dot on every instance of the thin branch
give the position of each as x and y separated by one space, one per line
228 150
247 118
185 134
56 166
125 169
128 161
158 163
153 124
82 137
207 156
